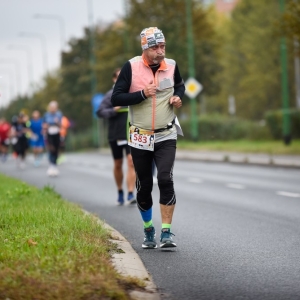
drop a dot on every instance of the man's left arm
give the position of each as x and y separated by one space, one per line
179 89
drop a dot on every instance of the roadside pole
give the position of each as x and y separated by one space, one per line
191 64
286 129
92 62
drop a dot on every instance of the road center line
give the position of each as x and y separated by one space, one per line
235 186
288 194
194 180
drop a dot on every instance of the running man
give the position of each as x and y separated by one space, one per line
51 127
4 139
36 137
152 86
19 139
117 137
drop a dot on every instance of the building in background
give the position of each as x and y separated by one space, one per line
222 6
225 6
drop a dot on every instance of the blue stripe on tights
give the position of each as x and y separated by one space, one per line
146 215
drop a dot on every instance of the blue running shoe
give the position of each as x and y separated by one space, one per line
121 199
131 199
166 240
149 239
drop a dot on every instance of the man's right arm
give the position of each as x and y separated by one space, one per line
121 95
105 109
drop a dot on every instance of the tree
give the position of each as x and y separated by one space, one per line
251 59
290 22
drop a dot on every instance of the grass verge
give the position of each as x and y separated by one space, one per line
49 249
270 147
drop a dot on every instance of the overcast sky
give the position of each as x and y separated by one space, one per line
17 17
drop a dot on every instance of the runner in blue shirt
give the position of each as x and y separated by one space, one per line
51 127
36 137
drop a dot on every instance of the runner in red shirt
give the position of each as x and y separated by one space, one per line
4 138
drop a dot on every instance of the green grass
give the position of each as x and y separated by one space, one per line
270 147
49 249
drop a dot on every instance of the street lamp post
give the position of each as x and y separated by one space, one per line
92 68
61 25
29 58
284 86
191 65
3 74
16 64
43 45
297 69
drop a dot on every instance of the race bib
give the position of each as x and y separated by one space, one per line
141 138
14 140
53 130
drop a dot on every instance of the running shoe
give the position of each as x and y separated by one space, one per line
121 199
131 199
36 162
4 158
149 239
52 171
166 240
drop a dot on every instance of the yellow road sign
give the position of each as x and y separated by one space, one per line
192 87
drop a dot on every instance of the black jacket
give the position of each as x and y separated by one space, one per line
117 121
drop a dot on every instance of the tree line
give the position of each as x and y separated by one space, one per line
237 55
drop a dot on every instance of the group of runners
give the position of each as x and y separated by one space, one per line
142 125
38 133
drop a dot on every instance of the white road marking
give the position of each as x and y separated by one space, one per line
288 194
235 186
194 180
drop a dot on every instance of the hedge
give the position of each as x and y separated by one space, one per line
274 122
219 127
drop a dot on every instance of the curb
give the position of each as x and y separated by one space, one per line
241 158
128 263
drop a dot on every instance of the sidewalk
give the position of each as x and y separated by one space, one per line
292 161
241 158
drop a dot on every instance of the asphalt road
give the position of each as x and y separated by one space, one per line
237 227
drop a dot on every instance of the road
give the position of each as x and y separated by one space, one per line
237 227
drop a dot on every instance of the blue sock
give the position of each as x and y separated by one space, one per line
147 217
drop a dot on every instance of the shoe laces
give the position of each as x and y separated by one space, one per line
166 234
149 233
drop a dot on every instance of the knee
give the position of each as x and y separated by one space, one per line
118 164
144 186
164 181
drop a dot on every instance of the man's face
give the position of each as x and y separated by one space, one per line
155 54
52 107
35 115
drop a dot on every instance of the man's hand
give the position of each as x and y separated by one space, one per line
116 108
175 101
150 89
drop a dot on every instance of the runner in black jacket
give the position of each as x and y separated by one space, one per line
117 137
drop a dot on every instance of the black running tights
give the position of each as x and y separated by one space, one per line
164 156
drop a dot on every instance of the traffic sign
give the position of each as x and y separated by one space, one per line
192 87
96 101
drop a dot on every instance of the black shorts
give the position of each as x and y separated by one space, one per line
117 151
5 142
